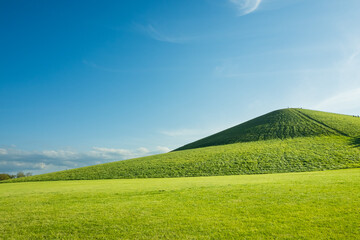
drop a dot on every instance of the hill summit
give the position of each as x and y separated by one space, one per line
282 124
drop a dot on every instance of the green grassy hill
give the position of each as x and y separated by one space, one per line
288 140
282 124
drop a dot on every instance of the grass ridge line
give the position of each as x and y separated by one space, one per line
314 121
322 123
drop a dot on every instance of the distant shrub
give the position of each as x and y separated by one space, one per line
5 176
20 175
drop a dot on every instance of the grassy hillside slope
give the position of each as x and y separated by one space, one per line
282 124
271 156
316 205
288 140
343 124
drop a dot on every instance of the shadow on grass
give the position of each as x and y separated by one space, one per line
355 142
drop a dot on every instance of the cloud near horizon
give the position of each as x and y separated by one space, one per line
343 101
13 160
245 6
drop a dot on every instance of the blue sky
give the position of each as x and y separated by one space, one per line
88 82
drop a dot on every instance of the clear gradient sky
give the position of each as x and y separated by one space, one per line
87 82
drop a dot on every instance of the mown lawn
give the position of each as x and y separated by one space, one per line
314 205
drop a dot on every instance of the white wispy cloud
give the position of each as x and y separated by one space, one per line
337 90
3 151
110 153
154 33
333 85
245 6
163 149
13 160
353 56
343 101
347 98
229 71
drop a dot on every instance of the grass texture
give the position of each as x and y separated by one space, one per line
288 140
312 205
272 156
282 124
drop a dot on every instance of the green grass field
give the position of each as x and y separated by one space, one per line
313 205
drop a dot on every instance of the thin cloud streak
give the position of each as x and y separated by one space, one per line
348 99
245 7
233 71
155 34
353 56
343 101
345 75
